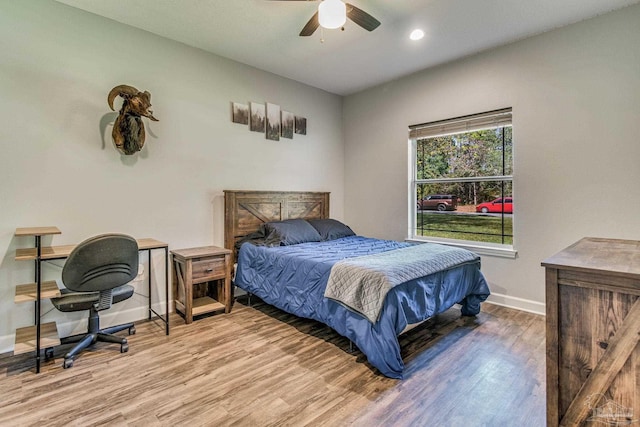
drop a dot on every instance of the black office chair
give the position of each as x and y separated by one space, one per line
95 276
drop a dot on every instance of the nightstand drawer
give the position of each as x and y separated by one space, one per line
208 268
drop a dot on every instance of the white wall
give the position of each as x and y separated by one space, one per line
575 94
58 165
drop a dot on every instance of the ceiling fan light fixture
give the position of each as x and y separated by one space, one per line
332 14
416 34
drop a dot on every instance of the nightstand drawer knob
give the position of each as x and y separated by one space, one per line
209 270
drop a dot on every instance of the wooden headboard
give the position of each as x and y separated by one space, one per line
245 211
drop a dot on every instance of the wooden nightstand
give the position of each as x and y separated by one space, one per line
194 271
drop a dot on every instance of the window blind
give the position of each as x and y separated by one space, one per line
488 120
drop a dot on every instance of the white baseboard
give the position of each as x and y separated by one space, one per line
71 327
527 305
238 292
6 343
67 327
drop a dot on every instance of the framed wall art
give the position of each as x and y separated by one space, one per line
287 124
240 113
268 119
273 122
257 117
301 125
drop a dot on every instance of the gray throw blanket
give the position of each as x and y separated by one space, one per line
362 283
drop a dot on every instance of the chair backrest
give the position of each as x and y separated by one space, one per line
101 263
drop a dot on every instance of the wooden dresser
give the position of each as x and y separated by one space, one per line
593 329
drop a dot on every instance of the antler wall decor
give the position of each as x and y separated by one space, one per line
128 129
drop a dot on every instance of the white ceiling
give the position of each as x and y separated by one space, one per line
264 33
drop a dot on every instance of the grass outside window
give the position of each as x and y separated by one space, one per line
473 227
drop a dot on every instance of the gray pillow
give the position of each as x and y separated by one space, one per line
331 229
289 232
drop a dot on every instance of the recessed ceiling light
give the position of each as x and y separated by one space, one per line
416 34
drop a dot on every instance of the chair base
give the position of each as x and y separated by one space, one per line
94 335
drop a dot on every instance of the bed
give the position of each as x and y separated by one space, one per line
324 277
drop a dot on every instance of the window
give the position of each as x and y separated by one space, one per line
462 171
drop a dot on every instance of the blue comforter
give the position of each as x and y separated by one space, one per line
293 278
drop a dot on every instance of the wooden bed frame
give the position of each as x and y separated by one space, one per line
245 211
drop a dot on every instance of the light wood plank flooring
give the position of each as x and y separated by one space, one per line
259 366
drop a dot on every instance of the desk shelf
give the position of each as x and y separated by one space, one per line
26 338
29 292
39 336
37 231
47 252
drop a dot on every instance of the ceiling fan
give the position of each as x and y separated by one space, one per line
334 13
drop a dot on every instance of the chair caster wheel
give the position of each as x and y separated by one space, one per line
132 330
68 363
48 353
124 348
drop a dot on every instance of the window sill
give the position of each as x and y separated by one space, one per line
499 251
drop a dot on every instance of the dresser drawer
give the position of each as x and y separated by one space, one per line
208 268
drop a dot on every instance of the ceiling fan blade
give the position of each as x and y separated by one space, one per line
362 18
311 26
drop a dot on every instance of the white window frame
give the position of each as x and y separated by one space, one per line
488 120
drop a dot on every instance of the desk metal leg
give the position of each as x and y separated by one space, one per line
38 307
149 280
166 287
164 318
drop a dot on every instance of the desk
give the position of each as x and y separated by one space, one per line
29 340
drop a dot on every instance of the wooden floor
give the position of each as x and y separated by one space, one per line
259 366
